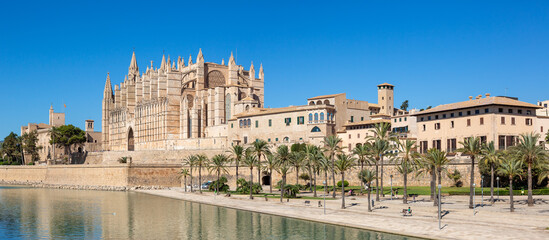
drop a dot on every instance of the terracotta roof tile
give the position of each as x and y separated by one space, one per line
477 103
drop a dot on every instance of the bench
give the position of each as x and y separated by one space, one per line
319 204
307 202
405 212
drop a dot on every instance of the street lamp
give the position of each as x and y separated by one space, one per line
391 186
439 208
497 178
474 205
324 197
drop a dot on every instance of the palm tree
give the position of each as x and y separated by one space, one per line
260 148
344 163
379 147
406 147
270 164
382 131
532 155
191 162
439 161
511 167
296 161
471 147
184 174
362 151
331 146
324 164
282 166
250 160
367 176
201 161
218 164
491 157
313 156
237 152
426 166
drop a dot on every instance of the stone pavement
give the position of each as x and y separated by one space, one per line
459 222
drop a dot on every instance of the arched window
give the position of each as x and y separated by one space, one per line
318 102
321 116
312 103
286 139
326 102
249 122
315 129
310 117
240 123
316 117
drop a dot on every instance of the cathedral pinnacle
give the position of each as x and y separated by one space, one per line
200 57
108 87
163 63
190 60
222 61
133 65
261 71
231 60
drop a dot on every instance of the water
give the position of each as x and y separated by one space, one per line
39 213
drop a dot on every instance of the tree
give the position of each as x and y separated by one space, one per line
382 132
191 161
511 167
270 164
296 161
282 166
362 151
200 162
11 149
312 159
379 147
367 176
344 163
439 161
491 157
250 160
331 146
325 165
426 166
218 164
260 147
237 152
406 148
471 147
404 105
184 174
68 136
532 154
30 141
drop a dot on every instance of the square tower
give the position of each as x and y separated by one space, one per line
385 98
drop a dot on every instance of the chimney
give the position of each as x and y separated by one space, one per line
479 96
470 97
487 95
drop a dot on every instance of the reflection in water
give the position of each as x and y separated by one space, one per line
33 213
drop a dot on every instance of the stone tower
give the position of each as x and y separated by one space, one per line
385 98
108 105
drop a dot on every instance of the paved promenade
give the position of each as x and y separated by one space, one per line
459 222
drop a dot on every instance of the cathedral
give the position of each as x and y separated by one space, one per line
178 106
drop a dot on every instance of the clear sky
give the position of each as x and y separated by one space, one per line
434 52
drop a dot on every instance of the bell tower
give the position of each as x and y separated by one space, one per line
385 98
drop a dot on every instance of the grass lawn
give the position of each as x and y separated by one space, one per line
426 190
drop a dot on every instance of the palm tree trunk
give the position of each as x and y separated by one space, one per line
342 190
217 184
185 182
511 194
314 182
296 176
259 169
271 183
191 179
405 194
369 201
530 199
361 183
381 180
377 183
333 177
282 187
433 182
471 182
492 183
200 178
236 180
251 181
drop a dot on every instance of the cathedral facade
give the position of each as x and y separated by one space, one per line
178 106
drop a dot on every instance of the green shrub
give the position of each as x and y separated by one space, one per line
31 163
304 177
291 191
346 183
455 176
123 160
221 185
301 187
244 187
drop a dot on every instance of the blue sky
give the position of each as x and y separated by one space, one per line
434 52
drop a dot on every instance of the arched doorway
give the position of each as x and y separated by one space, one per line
266 180
130 140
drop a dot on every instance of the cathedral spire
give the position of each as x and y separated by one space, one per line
200 57
231 60
133 65
190 60
252 72
107 93
261 71
163 63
